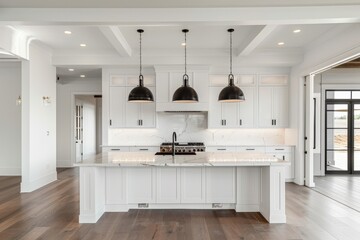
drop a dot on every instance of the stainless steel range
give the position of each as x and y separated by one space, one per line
182 147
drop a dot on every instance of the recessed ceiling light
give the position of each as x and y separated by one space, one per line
183 44
82 45
67 32
281 43
71 69
82 76
297 31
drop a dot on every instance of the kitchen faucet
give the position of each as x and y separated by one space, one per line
174 138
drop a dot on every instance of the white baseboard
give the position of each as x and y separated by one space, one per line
64 164
10 171
247 208
90 218
38 183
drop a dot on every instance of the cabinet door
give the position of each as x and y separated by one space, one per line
140 185
132 111
115 182
148 113
229 114
265 107
117 107
193 185
167 185
220 185
246 111
280 106
214 115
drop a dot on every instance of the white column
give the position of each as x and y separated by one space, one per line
92 194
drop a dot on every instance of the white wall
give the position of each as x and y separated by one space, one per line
10 120
334 46
66 90
38 120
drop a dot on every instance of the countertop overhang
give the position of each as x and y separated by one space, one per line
201 159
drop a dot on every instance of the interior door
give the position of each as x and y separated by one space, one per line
78 132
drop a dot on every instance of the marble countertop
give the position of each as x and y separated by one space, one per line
143 159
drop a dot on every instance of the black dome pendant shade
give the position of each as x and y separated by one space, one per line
185 93
231 93
140 93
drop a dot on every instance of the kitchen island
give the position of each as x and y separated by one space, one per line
119 181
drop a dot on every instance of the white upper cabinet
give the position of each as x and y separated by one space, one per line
273 102
232 115
117 107
124 114
140 114
170 78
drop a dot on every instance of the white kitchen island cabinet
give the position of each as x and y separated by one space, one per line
119 181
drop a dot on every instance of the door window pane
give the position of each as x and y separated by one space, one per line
338 94
356 160
337 160
337 118
337 139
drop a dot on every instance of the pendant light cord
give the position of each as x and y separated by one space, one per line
140 56
185 55
231 53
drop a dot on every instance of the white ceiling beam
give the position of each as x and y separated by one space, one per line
117 40
135 16
255 40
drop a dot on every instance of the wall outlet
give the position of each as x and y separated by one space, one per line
217 205
143 205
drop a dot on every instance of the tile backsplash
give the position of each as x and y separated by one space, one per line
192 127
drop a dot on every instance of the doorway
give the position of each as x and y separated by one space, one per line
342 131
87 126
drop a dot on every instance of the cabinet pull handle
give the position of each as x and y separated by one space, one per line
221 149
283 157
279 149
115 149
144 149
222 122
110 122
275 122
272 122
225 122
240 122
250 149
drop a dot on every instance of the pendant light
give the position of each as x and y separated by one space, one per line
185 93
231 93
140 93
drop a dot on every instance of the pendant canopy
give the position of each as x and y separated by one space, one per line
231 93
141 93
185 93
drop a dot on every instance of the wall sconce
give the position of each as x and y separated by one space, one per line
46 101
18 101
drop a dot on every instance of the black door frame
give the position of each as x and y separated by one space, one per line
350 132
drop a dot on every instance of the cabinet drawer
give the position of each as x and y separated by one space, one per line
115 149
145 149
221 149
251 149
279 149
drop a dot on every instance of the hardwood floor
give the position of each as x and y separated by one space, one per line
52 213
342 188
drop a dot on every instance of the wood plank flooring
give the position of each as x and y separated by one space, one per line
52 213
342 188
